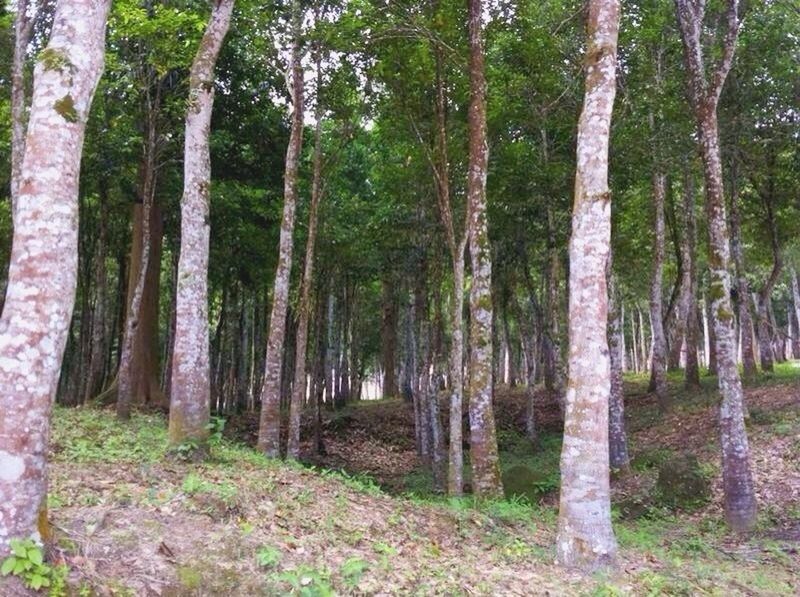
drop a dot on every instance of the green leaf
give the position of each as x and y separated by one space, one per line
36 582
8 566
35 555
18 547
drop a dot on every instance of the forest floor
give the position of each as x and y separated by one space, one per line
128 521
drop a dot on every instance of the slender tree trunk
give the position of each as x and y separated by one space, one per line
94 378
483 440
389 337
269 428
765 328
190 394
23 31
658 362
692 371
298 393
44 261
742 286
795 313
740 501
585 537
617 437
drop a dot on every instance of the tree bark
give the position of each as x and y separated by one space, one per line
23 32
389 337
270 424
483 440
585 537
739 501
617 437
795 313
658 360
304 310
765 329
692 371
190 394
742 286
94 377
44 260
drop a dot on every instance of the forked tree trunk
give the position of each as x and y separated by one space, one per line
190 393
766 329
737 480
585 537
270 425
658 360
483 440
692 372
304 310
44 261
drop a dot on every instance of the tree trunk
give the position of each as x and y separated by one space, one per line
765 329
617 437
23 31
270 425
796 314
304 310
389 337
483 440
742 286
44 261
739 502
585 537
94 377
692 371
658 361
190 394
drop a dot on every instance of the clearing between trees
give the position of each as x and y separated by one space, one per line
129 521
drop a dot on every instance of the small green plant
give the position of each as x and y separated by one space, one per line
215 429
352 571
193 484
268 556
308 582
27 562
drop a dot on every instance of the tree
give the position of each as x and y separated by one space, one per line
617 437
269 427
483 439
658 379
23 31
44 260
585 537
190 399
704 92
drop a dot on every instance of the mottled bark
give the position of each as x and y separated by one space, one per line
551 341
44 261
585 537
704 92
269 427
692 371
658 358
483 440
304 309
190 394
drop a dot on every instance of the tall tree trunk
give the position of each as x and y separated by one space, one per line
94 377
742 286
795 313
270 425
658 361
44 261
190 394
23 31
304 310
617 437
483 440
765 329
389 337
137 379
737 480
585 537
692 371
